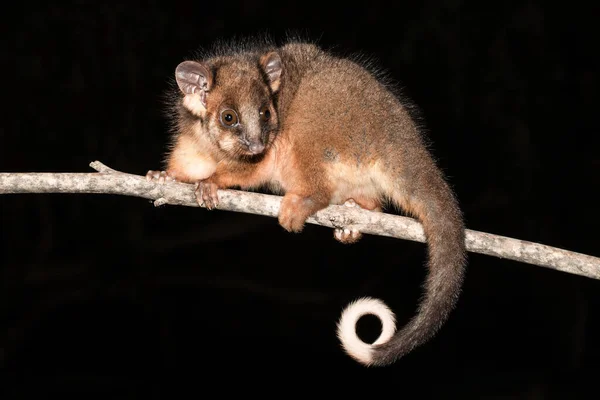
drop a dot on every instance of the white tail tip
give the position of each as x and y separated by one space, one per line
346 327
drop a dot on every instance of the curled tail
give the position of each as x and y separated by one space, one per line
435 206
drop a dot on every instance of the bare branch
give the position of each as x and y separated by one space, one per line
109 181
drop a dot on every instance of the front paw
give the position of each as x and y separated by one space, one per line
291 223
293 213
206 194
160 176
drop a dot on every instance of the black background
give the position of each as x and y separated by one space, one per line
109 295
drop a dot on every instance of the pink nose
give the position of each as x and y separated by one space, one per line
256 148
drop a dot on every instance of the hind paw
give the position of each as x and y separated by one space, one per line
348 235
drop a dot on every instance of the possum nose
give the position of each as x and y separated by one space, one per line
256 148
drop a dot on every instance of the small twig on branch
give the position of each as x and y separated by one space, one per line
109 181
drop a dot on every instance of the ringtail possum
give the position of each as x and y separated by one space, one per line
319 129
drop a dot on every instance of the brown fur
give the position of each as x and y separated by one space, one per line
341 134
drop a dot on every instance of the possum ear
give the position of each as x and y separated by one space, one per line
271 64
194 78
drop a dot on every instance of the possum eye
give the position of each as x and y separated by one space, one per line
265 114
229 117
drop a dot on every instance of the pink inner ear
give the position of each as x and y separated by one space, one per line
193 77
272 65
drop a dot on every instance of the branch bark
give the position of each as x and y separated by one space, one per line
109 181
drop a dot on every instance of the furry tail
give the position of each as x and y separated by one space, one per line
351 343
442 223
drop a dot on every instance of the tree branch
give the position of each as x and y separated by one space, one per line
109 181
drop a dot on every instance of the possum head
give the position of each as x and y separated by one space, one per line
233 97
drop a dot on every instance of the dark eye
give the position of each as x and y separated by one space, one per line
265 113
229 117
